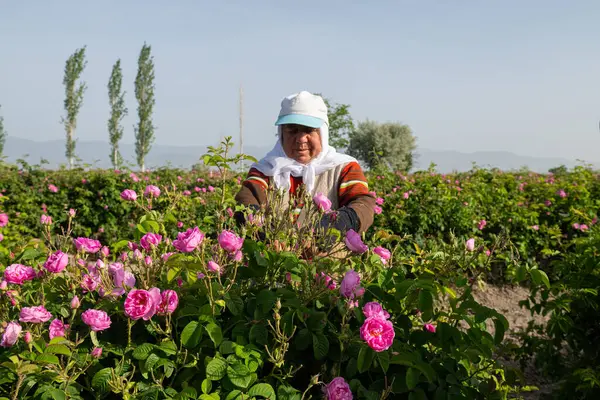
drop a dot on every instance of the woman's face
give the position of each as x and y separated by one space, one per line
302 143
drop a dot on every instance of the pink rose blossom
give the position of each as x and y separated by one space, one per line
350 287
151 191
482 224
28 338
17 274
338 389
3 220
129 195
97 352
75 302
56 262
378 210
105 251
89 283
36 314
52 188
383 253
379 201
87 245
429 328
141 304
169 302
45 219
71 212
378 333
97 320
11 334
57 328
374 309
230 242
187 241
322 202
470 244
150 240
213 267
355 243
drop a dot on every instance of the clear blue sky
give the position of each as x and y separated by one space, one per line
522 76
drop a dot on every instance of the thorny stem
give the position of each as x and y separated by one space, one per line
19 383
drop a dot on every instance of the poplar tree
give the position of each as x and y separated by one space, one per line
2 134
118 111
73 98
144 93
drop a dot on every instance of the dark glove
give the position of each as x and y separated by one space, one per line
343 220
240 219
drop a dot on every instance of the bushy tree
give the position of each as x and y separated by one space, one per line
118 111
383 145
144 93
73 98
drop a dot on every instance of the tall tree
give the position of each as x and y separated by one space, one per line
73 98
2 134
388 145
144 93
340 123
118 111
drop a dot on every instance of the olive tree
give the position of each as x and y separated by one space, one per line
387 145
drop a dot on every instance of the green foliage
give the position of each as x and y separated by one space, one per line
116 100
144 93
387 145
74 67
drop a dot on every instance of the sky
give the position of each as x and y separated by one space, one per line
466 75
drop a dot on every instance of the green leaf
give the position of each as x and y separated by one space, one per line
365 358
101 378
58 349
320 345
263 390
259 334
94 338
206 386
216 369
50 392
239 375
235 395
384 360
168 347
214 331
499 331
425 301
227 347
143 351
412 378
539 277
191 334
303 339
47 359
234 303
151 362
266 300
285 392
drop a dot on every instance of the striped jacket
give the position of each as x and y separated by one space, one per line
345 185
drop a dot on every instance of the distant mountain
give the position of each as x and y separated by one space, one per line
96 153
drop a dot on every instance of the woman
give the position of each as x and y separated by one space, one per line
302 155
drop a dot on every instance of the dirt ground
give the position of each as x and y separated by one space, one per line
505 300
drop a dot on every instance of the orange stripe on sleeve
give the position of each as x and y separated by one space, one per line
353 184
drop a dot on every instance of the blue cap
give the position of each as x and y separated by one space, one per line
300 119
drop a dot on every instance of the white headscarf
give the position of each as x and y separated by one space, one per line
278 165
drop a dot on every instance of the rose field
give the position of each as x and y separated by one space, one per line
129 285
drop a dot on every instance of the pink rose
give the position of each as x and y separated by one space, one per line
105 251
355 243
169 302
429 328
322 202
57 262
378 333
97 320
379 201
482 224
11 334
150 240
87 245
470 244
129 195
3 220
35 315
71 212
374 309
97 352
75 302
27 337
45 219
350 286
17 274
378 210
187 241
230 242
383 253
214 267
52 188
338 389
57 328
141 304
152 191
89 283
